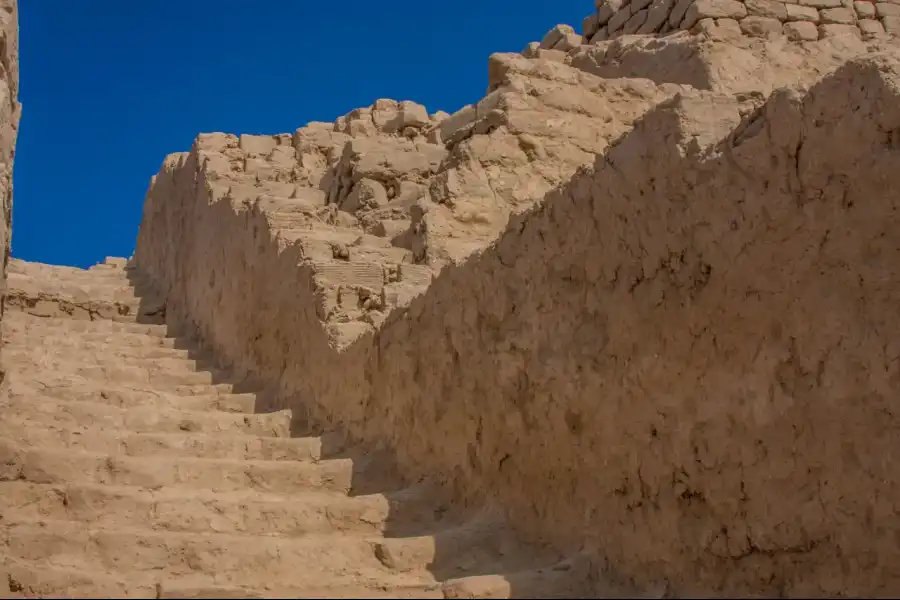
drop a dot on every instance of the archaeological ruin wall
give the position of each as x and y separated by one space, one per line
10 110
651 319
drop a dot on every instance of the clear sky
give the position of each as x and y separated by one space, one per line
110 87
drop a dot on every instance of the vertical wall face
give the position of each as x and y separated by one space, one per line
10 110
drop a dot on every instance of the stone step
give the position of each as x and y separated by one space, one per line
150 373
18 463
51 383
178 590
63 324
22 328
241 560
202 398
127 346
54 357
93 417
36 579
186 510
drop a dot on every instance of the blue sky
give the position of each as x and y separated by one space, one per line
109 88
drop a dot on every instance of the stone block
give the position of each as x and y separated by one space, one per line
553 36
798 31
835 30
797 12
870 28
635 22
760 26
839 16
887 9
864 10
766 8
713 9
590 25
657 15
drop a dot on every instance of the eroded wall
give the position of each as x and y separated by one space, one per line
10 110
684 358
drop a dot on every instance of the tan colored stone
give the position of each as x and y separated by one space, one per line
590 25
635 22
772 9
618 20
796 12
657 15
821 3
864 9
891 25
870 28
760 26
713 9
607 8
553 37
832 30
886 9
678 11
568 42
840 16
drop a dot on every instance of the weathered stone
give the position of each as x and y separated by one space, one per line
886 9
618 20
553 36
796 12
760 26
801 31
820 3
766 8
657 14
840 16
551 55
635 22
834 30
891 25
678 11
568 42
531 49
713 9
601 36
864 9
590 25
870 28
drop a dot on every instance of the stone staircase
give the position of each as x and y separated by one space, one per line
131 467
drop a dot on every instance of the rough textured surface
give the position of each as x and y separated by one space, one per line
630 365
131 467
797 20
10 109
638 301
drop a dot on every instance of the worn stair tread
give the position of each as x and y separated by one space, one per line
228 446
184 509
82 390
93 378
51 358
97 325
231 558
55 466
69 416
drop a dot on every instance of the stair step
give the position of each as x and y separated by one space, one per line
33 579
53 467
39 411
190 510
65 359
74 390
148 372
137 348
138 445
63 324
37 579
229 558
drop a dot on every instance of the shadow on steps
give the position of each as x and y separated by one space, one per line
470 551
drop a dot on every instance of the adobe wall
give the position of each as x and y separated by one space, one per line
10 110
797 20
684 358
